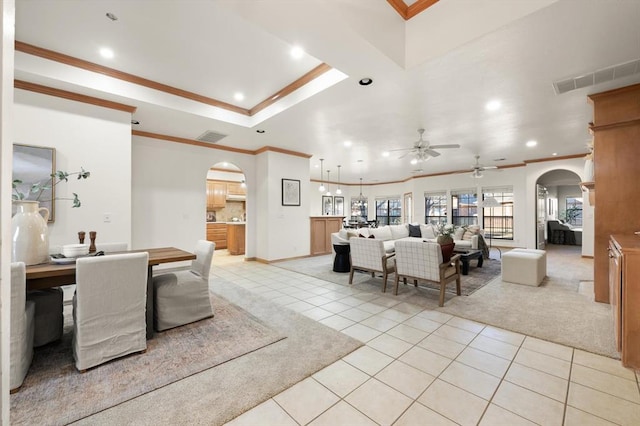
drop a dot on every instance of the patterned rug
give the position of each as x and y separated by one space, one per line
322 267
54 392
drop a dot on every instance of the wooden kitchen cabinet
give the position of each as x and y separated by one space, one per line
217 233
624 296
235 188
235 238
216 195
321 229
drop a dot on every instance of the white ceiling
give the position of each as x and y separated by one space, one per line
437 71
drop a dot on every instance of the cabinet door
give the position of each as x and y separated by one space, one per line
234 188
210 204
219 195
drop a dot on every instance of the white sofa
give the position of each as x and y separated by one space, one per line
389 234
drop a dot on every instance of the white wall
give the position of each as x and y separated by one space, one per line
98 139
169 193
285 230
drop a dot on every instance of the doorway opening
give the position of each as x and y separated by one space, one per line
226 212
559 210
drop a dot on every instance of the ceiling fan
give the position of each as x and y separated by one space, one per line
423 150
477 168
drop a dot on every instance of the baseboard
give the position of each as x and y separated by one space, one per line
587 256
259 260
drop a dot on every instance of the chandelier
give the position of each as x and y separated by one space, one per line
360 199
321 188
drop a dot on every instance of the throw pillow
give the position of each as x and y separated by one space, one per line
372 236
361 236
458 233
383 233
427 231
351 234
414 231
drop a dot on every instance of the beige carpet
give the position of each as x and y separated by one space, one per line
62 395
322 267
217 395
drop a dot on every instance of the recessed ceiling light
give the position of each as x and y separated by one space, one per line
107 53
531 143
359 161
112 16
259 131
414 161
238 96
554 154
493 105
297 52
348 143
365 81
225 164
385 153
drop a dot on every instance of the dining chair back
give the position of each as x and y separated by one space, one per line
22 314
182 297
109 308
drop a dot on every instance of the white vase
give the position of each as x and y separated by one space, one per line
29 233
588 170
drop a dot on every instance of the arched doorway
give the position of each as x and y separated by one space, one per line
226 211
559 209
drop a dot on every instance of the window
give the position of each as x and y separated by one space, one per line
435 207
359 209
498 221
464 207
573 213
388 211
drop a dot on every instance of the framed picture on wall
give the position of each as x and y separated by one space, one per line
33 165
338 206
290 192
327 205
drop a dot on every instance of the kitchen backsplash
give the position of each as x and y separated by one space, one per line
231 210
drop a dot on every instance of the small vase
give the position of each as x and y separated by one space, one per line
30 234
447 251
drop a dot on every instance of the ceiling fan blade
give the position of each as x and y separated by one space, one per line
401 149
431 153
403 155
451 145
489 167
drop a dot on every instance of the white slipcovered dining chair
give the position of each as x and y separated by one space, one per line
22 313
109 308
422 261
368 254
183 297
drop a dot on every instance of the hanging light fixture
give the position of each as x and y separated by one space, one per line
360 199
321 188
243 184
328 184
339 191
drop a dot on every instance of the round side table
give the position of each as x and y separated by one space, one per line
342 263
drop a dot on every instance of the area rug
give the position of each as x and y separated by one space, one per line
54 392
322 267
216 395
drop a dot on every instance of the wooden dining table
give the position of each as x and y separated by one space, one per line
47 275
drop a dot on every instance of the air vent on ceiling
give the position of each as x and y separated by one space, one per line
210 136
597 77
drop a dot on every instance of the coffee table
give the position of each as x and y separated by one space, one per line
466 256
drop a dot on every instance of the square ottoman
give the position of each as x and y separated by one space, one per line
523 267
542 252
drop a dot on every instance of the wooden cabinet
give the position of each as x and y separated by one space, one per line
616 132
235 238
235 188
624 275
321 229
216 195
217 232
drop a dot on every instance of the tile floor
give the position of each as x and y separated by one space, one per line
424 367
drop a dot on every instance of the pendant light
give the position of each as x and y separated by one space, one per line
321 188
339 191
328 184
360 199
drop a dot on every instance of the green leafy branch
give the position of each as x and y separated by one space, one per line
55 178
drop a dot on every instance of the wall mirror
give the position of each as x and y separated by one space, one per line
33 164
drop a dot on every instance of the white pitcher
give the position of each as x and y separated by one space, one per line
30 233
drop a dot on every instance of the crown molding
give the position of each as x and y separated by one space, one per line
408 12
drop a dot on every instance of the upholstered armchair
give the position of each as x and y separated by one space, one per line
109 308
368 254
22 313
422 261
183 297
